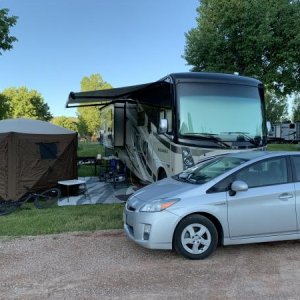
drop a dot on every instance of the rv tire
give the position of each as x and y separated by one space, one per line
161 174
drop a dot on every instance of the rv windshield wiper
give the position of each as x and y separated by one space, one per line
209 137
248 138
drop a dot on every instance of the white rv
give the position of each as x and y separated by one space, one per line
285 132
163 127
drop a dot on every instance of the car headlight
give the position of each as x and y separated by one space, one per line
158 205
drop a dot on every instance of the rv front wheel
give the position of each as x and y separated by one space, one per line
161 174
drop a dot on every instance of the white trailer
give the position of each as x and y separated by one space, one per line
163 127
285 132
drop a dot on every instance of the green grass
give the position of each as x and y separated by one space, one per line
283 147
89 149
31 221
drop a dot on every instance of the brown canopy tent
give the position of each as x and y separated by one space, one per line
35 155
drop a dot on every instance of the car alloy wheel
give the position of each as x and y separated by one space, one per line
195 237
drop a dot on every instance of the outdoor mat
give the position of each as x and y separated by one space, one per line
99 192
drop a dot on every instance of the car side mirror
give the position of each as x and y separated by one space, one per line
163 126
238 186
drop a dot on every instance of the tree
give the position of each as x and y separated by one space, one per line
6 40
296 109
276 107
89 117
4 107
26 103
258 38
66 122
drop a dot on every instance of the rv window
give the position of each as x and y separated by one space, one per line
152 114
161 114
141 118
169 115
48 150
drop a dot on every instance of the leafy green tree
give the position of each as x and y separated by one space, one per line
66 122
276 107
4 107
296 109
258 38
26 103
89 117
6 40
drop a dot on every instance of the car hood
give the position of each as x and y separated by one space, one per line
166 188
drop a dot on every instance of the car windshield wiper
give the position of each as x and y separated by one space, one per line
248 138
209 137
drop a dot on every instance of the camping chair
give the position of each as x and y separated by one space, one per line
116 173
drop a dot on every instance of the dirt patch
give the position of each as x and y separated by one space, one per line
106 265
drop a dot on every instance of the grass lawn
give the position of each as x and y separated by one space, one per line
89 149
31 221
283 147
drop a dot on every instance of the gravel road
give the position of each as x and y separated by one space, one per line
105 265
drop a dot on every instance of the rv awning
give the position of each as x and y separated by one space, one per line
103 97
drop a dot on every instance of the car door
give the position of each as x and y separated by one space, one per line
296 176
268 206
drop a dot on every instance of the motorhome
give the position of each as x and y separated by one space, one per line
285 132
160 128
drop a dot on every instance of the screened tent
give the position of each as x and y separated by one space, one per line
34 155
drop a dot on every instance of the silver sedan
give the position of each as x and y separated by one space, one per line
246 197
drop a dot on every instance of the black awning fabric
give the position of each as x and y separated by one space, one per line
102 97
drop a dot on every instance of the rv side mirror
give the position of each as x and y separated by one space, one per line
163 125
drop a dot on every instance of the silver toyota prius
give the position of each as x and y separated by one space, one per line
246 197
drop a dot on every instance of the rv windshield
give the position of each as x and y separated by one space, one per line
220 112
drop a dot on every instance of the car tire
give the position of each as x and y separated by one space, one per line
195 237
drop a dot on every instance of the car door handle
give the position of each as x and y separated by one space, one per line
285 196
220 203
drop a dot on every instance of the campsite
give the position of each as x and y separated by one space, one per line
149 149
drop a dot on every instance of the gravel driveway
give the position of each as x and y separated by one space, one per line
105 265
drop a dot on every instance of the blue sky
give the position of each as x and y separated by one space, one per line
126 41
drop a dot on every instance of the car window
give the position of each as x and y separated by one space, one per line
267 172
296 163
222 186
209 170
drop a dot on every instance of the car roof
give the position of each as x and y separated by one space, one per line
250 155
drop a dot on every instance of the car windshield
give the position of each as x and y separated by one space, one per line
204 172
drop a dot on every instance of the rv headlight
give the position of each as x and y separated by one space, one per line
158 205
187 158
